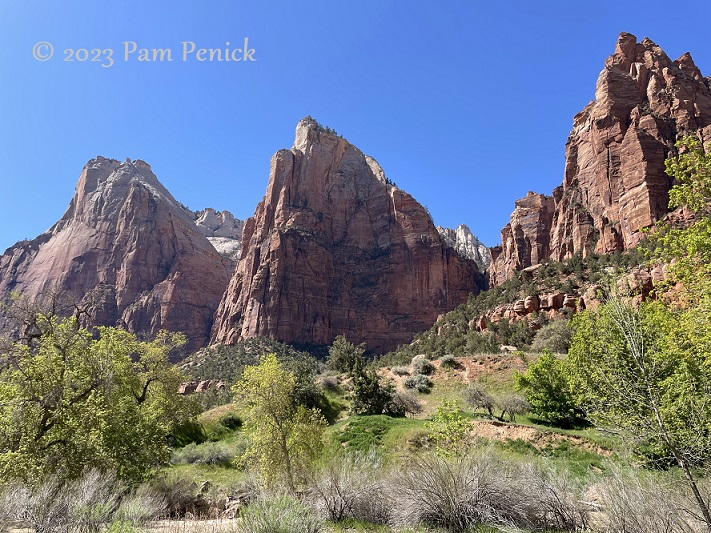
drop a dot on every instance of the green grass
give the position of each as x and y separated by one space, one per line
217 475
380 432
578 461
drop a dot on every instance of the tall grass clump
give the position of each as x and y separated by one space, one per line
282 514
478 489
633 501
351 486
83 505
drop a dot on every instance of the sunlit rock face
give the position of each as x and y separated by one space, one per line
333 249
614 184
127 250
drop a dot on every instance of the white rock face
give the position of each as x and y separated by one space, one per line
467 245
223 230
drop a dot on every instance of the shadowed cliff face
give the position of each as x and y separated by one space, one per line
126 247
614 184
334 249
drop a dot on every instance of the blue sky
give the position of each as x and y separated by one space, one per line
466 104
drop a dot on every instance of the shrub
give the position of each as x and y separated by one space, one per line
187 432
476 396
554 499
119 526
10 504
404 403
140 506
231 421
421 365
554 337
329 382
448 361
466 491
419 382
80 506
645 502
207 453
512 405
455 494
91 500
401 370
282 514
547 388
179 492
350 487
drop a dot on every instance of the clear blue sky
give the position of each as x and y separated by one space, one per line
466 104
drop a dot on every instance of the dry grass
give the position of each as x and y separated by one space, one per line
194 526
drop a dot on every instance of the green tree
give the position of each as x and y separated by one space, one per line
688 249
72 399
449 429
643 374
548 391
369 397
554 336
286 438
646 372
342 355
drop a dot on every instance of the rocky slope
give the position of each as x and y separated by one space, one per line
224 232
467 245
334 249
614 184
126 247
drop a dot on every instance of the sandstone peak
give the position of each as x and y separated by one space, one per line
615 183
308 131
465 243
224 232
686 64
127 249
334 249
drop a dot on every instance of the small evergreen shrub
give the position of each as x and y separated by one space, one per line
448 361
419 382
401 370
422 366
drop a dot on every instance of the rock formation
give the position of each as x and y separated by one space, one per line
614 184
466 245
224 232
334 248
126 247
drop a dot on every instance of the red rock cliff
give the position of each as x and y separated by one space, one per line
334 249
614 184
126 245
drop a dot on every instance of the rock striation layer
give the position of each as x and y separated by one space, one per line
614 184
334 248
127 249
467 245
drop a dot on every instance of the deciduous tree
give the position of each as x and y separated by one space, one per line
72 399
286 439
